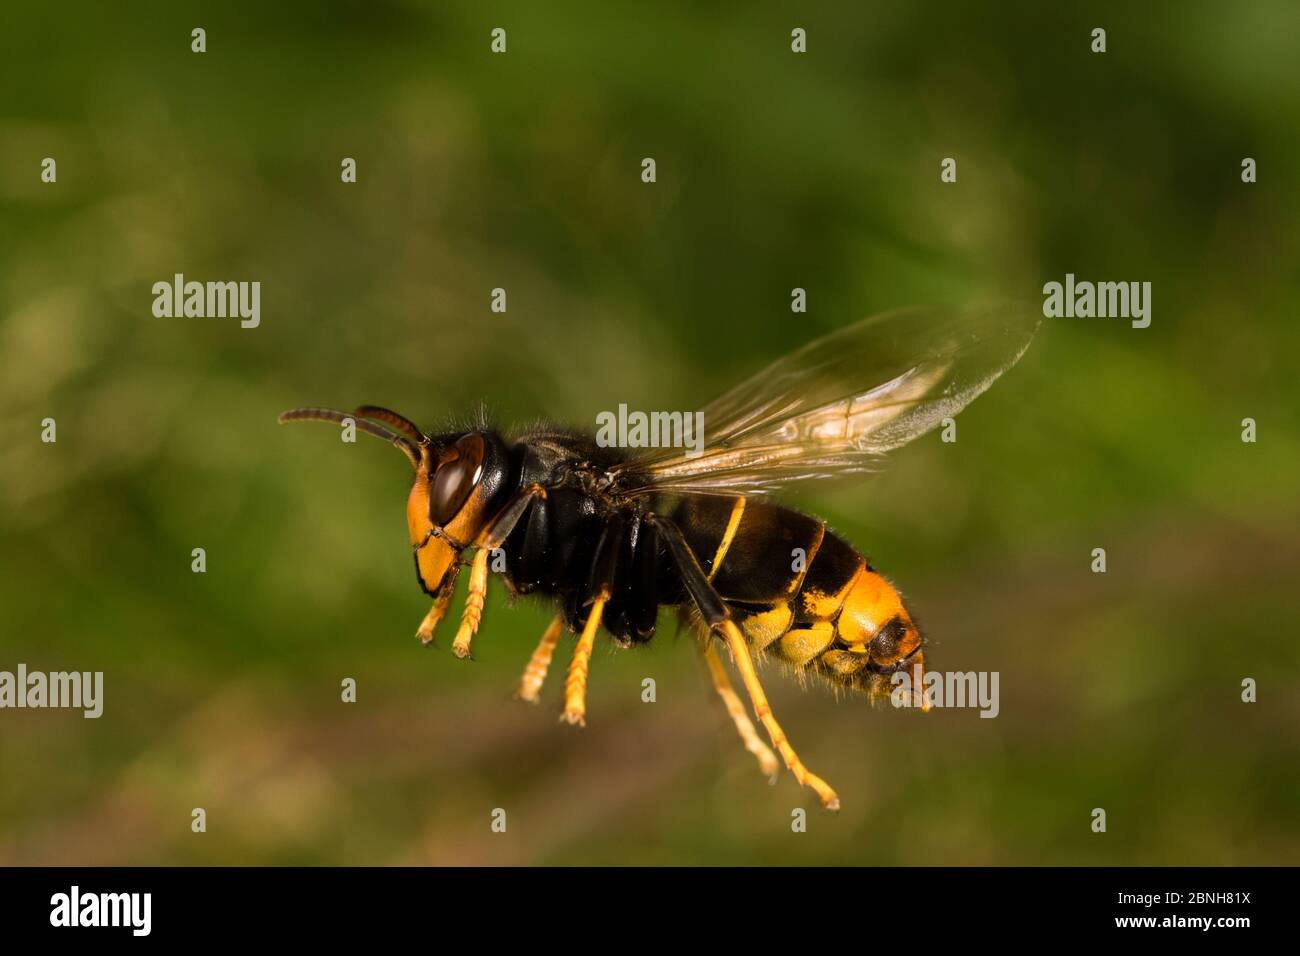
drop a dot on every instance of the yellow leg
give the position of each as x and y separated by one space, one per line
530 685
439 609
722 684
491 539
745 664
473 613
575 685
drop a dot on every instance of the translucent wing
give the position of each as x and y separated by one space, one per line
837 405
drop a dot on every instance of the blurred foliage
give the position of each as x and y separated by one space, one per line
774 171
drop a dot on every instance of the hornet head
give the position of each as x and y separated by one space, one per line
458 478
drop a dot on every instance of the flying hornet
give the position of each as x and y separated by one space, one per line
611 535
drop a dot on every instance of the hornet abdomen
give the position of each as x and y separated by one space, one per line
800 593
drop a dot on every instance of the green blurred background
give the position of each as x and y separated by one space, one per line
522 171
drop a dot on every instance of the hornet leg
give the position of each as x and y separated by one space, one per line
575 685
530 685
492 538
748 735
603 570
439 609
717 616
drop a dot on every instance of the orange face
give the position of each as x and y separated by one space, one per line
435 556
444 509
